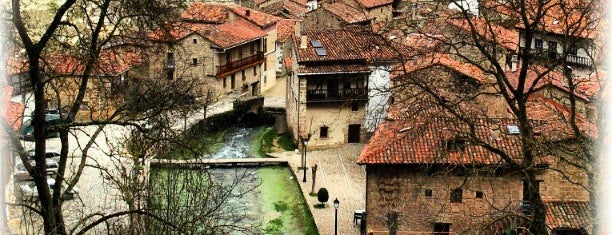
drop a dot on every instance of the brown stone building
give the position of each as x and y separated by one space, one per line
329 86
335 15
227 48
427 173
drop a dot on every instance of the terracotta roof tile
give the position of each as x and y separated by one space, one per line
294 9
568 214
206 12
373 3
446 61
333 69
346 12
557 115
490 31
234 33
346 44
285 29
584 88
256 17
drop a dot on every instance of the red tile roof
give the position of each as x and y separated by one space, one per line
585 87
110 63
256 17
373 3
558 115
333 69
206 12
345 12
346 44
285 28
427 142
568 214
12 111
234 33
489 31
445 60
294 9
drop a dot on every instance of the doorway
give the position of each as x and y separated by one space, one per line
354 133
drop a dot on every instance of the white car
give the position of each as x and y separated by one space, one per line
49 154
27 190
21 173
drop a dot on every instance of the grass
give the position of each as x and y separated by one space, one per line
208 143
268 140
279 186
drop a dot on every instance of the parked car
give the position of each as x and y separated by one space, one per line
26 190
21 173
49 154
27 129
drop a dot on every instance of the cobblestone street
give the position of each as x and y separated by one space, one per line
339 173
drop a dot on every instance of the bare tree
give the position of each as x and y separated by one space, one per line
508 74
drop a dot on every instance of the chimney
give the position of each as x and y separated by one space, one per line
297 29
513 63
248 12
303 41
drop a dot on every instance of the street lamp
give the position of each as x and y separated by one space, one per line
336 205
304 143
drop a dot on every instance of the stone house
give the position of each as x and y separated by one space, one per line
227 48
425 175
378 10
330 84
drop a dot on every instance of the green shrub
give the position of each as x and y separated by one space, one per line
323 195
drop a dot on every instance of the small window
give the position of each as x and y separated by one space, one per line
194 61
265 65
323 132
456 195
240 52
254 70
354 106
265 45
479 194
170 74
441 228
224 82
243 75
428 193
195 41
538 44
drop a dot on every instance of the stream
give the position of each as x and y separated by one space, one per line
237 144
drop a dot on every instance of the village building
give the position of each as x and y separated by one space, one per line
332 85
335 15
428 173
227 48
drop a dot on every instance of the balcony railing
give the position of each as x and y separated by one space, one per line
233 66
542 54
339 94
579 60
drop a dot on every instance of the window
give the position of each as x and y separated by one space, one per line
265 65
170 59
428 193
194 61
456 144
265 45
456 195
195 41
253 49
573 50
243 75
552 49
441 228
354 106
479 194
538 44
224 82
228 57
170 74
240 52
254 70
323 132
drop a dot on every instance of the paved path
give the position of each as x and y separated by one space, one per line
339 173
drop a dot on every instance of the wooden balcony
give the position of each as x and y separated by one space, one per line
233 66
543 55
579 60
319 95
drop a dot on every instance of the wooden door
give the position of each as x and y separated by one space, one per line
354 133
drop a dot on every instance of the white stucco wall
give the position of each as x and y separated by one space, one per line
378 95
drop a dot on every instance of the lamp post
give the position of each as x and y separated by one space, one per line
336 205
304 143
